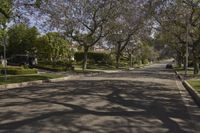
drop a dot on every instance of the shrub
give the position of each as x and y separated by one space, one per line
138 62
145 61
96 57
56 66
18 71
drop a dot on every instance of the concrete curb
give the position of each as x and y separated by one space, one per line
179 76
193 93
36 82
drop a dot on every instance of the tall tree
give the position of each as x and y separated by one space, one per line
130 19
82 21
5 15
5 12
53 47
181 18
22 39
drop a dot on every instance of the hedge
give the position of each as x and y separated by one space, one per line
145 61
51 68
96 57
18 71
55 66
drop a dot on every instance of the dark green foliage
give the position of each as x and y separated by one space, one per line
26 78
22 40
55 66
1 50
18 71
95 57
145 61
53 46
5 11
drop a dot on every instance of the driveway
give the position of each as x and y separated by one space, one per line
148 100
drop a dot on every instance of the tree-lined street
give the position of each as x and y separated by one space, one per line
148 100
99 66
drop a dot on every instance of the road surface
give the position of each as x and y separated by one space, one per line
148 100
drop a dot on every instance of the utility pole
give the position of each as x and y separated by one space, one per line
4 56
187 43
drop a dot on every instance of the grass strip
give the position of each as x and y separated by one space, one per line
195 84
25 78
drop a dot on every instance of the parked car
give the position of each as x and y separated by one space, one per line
18 60
169 66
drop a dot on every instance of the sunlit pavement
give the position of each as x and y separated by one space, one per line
148 100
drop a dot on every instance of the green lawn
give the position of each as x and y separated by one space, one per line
17 70
195 84
101 67
87 71
49 66
181 71
78 66
25 78
96 67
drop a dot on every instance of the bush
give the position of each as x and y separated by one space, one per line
96 57
63 63
56 66
138 62
18 71
145 61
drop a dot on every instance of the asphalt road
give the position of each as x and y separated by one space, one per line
148 100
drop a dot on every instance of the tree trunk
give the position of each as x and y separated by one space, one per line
131 60
117 60
85 58
185 65
117 55
179 63
179 59
195 63
196 68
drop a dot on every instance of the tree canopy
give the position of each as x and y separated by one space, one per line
162 25
22 40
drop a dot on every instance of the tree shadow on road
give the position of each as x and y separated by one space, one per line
159 73
100 106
